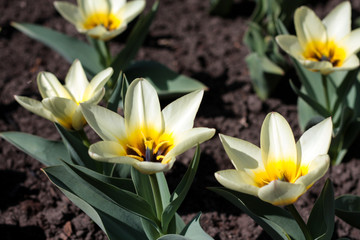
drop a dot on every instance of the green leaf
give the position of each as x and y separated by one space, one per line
265 75
322 216
179 194
347 207
70 48
118 95
134 41
165 81
122 198
194 231
45 151
173 237
277 222
116 222
143 186
77 150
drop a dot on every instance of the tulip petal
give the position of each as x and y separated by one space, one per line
281 193
308 27
242 153
35 106
69 11
277 140
338 21
315 141
49 86
351 42
189 139
76 81
179 115
62 109
89 7
142 109
108 125
350 63
78 120
152 167
316 170
131 10
237 181
96 98
97 83
290 44
107 35
116 5
106 150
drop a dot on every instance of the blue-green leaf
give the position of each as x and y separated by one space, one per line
45 151
322 216
347 207
194 231
165 81
70 48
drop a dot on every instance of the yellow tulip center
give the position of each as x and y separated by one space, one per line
109 21
150 148
283 170
329 51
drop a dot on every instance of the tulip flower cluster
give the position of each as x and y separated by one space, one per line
120 182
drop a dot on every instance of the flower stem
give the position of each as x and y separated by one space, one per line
291 208
157 196
84 137
326 93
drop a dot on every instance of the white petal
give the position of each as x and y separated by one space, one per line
49 86
308 27
35 106
142 108
179 115
189 139
106 150
351 42
89 7
69 11
131 10
107 124
290 44
237 181
338 21
316 170
97 83
242 153
315 141
78 120
111 34
350 63
76 81
96 97
97 32
281 193
63 109
152 167
277 140
116 5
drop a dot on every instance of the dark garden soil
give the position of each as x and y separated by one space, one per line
188 40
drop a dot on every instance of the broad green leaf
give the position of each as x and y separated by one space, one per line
254 39
134 41
45 151
76 148
118 95
143 186
173 237
70 48
179 194
112 219
165 81
322 216
125 199
277 222
164 189
265 75
194 231
344 88
347 207
121 170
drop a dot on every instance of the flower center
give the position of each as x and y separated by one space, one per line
109 21
283 170
330 52
150 149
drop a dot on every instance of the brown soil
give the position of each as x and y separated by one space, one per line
187 39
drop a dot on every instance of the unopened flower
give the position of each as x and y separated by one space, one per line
147 138
281 171
60 103
324 46
103 19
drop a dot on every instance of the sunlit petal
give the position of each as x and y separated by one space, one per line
97 83
131 10
76 81
152 167
317 169
350 63
34 106
338 21
63 109
90 7
69 11
242 153
351 42
49 86
237 181
290 44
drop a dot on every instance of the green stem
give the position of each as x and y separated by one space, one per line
157 196
291 208
326 93
84 138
